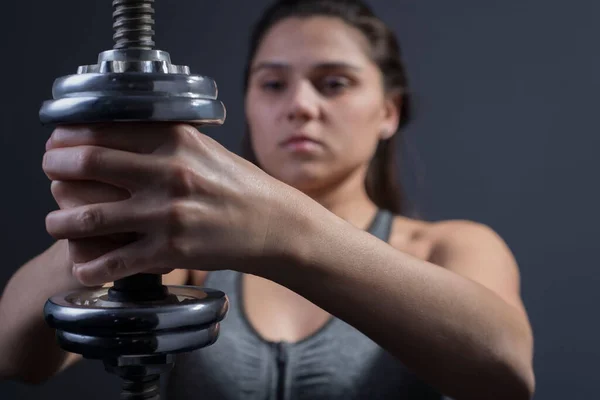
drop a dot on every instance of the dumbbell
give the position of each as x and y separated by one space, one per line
137 326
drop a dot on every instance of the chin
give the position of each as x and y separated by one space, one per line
311 184
308 175
303 179
301 182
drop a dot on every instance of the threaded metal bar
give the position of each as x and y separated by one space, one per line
133 24
141 388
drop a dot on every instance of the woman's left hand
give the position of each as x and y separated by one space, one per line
193 203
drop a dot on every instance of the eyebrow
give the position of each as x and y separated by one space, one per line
284 66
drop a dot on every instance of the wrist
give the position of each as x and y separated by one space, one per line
296 236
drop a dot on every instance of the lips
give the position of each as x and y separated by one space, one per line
301 144
299 139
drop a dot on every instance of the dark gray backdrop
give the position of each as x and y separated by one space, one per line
506 133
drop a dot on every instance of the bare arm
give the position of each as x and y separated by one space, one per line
461 328
454 329
28 345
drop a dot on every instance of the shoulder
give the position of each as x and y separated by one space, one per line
446 232
453 237
468 248
452 230
448 239
478 252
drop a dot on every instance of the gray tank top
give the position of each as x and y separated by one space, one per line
337 362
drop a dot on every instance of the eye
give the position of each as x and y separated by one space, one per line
334 84
272 85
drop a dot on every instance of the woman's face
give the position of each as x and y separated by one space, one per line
315 103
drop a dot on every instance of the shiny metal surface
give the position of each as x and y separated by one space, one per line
134 60
140 360
134 55
135 82
87 322
133 23
171 342
133 85
188 308
106 67
79 110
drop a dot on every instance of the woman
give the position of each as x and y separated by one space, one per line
334 292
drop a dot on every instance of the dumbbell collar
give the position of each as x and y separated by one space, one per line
134 60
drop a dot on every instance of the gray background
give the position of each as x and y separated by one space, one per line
505 134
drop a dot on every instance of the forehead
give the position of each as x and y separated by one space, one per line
302 41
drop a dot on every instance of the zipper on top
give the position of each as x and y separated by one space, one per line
281 362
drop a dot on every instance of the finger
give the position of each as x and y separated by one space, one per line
70 194
136 137
97 220
159 271
125 261
116 167
87 249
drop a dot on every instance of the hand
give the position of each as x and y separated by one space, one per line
192 203
70 194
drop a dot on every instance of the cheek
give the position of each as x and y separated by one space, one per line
365 107
261 125
360 121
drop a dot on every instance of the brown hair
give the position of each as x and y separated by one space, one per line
382 182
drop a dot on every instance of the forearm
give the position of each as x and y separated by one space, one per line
452 332
28 345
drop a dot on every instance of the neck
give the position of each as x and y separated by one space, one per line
348 200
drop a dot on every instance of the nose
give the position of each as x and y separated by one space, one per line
303 103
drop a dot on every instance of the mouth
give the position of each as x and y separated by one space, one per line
301 143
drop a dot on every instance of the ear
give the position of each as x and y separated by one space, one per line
391 115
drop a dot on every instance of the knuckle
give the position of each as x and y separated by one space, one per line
88 160
91 133
176 216
182 179
115 267
175 247
182 133
90 219
188 136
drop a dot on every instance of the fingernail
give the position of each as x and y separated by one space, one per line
75 270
